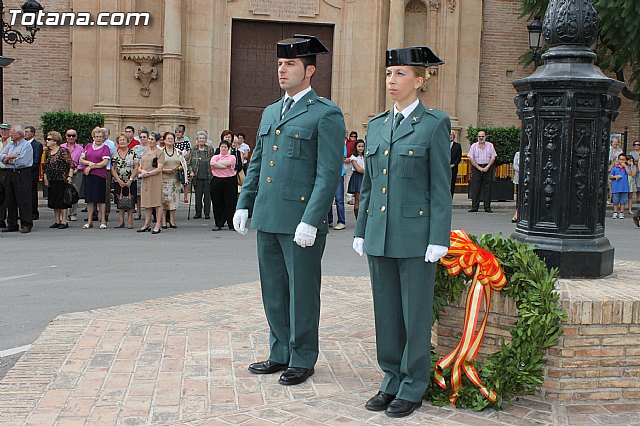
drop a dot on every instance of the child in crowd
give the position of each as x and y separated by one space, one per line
619 186
357 166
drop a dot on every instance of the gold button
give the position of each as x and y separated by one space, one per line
410 153
383 209
386 152
272 163
384 190
296 136
302 198
384 171
421 213
275 147
269 180
278 132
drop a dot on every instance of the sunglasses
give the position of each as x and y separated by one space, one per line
71 136
50 139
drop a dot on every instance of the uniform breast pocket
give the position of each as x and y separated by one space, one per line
264 130
408 158
295 138
371 160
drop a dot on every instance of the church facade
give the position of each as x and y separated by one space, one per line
211 64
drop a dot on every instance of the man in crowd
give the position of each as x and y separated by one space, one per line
482 155
296 163
36 146
133 140
456 157
113 148
5 139
17 158
75 149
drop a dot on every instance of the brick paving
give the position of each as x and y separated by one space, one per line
183 360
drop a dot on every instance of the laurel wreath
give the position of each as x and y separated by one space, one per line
518 368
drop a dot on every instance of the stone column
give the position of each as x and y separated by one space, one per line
566 108
172 55
395 38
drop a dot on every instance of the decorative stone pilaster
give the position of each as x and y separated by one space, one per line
146 56
395 39
566 107
172 55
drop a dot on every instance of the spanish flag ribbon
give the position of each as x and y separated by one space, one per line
463 255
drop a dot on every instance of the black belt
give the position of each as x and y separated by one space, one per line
483 165
7 169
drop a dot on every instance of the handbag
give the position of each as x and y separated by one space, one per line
240 176
154 162
70 195
125 202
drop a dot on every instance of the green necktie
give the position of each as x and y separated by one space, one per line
396 122
287 107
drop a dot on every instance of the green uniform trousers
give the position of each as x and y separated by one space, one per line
403 303
290 281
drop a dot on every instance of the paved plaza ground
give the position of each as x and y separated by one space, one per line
160 329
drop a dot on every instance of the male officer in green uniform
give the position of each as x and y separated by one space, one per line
404 226
289 188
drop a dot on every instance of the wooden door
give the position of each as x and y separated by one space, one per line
254 78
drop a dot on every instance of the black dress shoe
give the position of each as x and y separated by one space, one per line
473 210
401 407
173 226
25 230
147 229
3 224
266 367
164 226
10 230
488 211
55 225
379 402
156 231
207 217
295 376
197 216
63 226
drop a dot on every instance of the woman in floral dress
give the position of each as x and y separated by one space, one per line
124 169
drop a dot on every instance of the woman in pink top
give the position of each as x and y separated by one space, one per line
95 158
224 186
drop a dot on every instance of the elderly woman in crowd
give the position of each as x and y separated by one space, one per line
200 173
170 179
143 136
224 186
150 171
58 172
94 158
124 170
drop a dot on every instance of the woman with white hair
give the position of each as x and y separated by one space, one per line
200 174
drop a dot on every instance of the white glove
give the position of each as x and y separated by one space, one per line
305 235
358 245
240 218
434 253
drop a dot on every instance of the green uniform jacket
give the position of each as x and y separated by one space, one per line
296 165
405 200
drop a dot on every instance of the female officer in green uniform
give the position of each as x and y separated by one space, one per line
404 227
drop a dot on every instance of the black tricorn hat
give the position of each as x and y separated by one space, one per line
300 46
417 55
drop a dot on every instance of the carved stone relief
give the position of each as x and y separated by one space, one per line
146 56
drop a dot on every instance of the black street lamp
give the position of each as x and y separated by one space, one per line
535 38
11 36
566 107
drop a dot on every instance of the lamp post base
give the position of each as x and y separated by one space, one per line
574 258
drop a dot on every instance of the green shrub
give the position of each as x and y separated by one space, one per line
506 141
61 121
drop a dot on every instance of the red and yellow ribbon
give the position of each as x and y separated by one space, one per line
463 255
